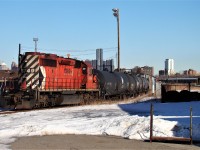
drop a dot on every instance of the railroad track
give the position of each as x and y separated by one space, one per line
28 110
97 102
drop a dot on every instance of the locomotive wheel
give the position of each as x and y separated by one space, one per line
41 104
51 102
58 100
36 106
87 99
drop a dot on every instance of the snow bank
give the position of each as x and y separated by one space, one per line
125 120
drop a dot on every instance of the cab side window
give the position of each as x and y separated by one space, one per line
84 70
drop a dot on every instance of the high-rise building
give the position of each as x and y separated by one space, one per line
99 58
169 67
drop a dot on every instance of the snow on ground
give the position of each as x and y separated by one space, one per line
128 120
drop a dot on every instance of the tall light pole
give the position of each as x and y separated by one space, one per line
116 14
35 40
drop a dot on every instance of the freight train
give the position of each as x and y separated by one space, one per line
47 80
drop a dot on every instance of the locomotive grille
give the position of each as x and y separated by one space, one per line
29 71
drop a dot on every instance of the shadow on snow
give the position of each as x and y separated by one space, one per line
179 111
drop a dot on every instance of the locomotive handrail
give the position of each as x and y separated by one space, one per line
8 84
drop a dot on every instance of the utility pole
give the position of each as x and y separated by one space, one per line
116 14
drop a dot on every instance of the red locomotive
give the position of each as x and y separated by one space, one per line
48 80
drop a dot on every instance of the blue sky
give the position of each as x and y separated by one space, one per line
150 31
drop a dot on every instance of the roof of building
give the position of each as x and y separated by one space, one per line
8 74
3 64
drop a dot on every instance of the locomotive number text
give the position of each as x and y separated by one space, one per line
67 71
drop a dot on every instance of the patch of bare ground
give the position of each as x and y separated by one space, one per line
87 142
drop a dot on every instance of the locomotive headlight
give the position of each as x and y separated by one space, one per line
6 91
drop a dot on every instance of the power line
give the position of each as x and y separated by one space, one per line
111 57
78 54
90 53
74 53
68 50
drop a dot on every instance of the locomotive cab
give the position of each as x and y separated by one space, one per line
91 78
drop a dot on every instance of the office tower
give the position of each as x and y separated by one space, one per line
99 58
169 67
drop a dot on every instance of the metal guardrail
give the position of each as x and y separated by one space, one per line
169 139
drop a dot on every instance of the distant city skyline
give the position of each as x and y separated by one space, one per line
150 31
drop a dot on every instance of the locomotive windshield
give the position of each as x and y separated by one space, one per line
48 62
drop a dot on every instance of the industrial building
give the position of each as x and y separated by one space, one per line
3 66
108 65
161 72
190 72
146 70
